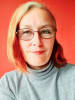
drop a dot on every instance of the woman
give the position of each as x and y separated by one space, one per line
42 72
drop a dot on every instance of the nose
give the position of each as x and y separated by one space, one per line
37 40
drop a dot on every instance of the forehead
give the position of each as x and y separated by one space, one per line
36 17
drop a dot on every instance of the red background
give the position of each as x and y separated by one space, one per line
64 12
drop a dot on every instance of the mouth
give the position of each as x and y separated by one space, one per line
38 52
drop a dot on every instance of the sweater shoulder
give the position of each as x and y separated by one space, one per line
68 68
67 72
11 76
11 81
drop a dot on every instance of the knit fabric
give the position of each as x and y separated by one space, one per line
49 83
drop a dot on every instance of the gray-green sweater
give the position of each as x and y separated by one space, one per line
49 83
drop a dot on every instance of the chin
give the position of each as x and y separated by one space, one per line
38 63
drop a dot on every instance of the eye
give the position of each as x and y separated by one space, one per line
26 32
45 31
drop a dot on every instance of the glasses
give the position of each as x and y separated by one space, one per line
28 34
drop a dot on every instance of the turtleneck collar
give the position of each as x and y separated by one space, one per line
40 74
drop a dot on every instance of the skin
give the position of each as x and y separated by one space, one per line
36 60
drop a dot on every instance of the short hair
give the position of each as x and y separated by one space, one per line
14 52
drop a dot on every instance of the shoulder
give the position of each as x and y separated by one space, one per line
67 74
67 69
12 77
11 82
66 79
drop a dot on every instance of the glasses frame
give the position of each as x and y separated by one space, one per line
19 36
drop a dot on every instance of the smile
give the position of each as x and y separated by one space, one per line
38 52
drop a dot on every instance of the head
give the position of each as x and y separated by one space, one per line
37 49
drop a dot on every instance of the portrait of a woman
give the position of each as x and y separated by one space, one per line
41 71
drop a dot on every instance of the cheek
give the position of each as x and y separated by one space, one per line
25 46
49 48
48 44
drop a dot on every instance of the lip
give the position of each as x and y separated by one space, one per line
38 52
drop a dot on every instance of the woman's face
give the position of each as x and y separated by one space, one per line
36 51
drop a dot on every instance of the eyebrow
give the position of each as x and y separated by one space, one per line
25 27
42 26
46 25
